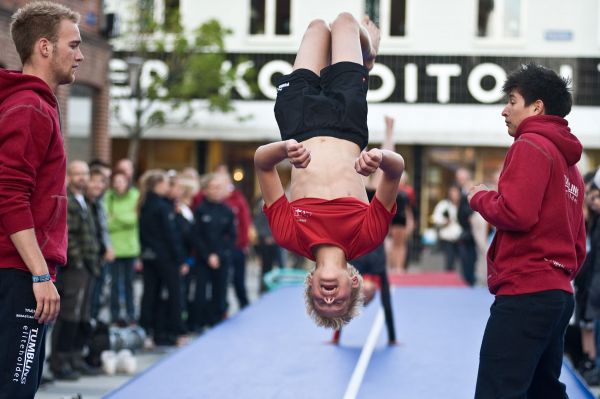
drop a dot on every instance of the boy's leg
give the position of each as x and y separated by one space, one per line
354 42
315 49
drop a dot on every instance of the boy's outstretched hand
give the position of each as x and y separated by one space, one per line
367 162
298 155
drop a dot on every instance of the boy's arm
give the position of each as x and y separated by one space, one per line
268 156
392 165
388 144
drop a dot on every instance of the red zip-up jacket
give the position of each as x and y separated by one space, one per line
32 169
540 240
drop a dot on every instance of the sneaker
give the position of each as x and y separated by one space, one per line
79 365
126 362
149 344
109 362
61 367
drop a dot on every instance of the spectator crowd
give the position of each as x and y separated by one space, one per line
184 236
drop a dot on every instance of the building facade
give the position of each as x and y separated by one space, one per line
439 74
85 104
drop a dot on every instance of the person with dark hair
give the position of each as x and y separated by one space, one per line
540 240
33 203
321 110
445 218
402 222
75 280
95 196
591 290
579 338
99 165
266 248
467 250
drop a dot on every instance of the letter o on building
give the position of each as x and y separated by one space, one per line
474 82
388 84
265 74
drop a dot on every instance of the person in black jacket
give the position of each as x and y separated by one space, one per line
214 238
162 257
592 263
181 193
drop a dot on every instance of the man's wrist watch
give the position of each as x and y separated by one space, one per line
41 278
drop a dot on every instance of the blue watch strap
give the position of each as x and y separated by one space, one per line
41 278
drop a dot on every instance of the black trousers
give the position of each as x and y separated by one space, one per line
238 261
22 338
158 275
522 349
210 302
468 256
450 249
268 253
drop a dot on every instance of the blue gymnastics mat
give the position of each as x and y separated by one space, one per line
272 350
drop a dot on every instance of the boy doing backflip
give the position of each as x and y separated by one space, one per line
321 111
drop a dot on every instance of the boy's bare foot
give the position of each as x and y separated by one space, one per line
375 36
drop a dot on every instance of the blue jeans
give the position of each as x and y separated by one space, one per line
121 272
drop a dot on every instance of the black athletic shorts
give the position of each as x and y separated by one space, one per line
399 218
334 104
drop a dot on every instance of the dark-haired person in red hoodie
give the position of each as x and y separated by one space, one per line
539 245
33 212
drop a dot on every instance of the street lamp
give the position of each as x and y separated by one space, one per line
134 64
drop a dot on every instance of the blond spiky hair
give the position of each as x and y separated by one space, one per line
356 302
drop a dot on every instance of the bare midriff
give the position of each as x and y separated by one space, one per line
330 173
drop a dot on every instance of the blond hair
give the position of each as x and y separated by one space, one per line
36 20
148 182
356 302
189 184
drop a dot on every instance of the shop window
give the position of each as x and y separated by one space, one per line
257 17
398 18
282 17
372 10
390 15
270 17
146 17
79 122
500 19
172 16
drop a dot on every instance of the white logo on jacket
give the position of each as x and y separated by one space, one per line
571 189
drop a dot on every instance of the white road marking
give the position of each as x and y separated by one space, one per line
365 357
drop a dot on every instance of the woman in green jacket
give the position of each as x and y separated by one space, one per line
121 202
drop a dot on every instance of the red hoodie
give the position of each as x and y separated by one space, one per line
32 169
540 240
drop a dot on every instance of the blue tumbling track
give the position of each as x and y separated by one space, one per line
272 350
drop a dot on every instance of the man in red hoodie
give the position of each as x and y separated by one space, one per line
540 241
33 231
